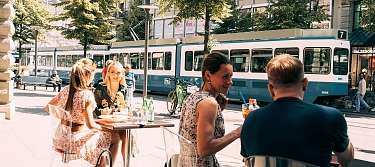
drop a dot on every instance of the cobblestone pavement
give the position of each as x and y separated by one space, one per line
25 140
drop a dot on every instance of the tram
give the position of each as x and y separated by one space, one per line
325 54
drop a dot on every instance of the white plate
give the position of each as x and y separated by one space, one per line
117 117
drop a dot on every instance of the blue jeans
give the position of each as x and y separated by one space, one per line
361 102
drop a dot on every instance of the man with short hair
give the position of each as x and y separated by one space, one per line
291 128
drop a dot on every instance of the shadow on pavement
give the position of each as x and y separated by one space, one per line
361 163
37 111
29 94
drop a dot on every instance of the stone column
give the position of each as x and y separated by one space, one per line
7 13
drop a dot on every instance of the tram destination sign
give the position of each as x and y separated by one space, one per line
341 34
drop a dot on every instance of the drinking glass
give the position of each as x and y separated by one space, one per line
245 110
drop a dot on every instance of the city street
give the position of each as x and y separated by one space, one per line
25 140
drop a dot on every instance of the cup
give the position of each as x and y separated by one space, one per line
245 110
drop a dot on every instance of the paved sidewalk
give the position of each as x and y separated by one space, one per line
25 140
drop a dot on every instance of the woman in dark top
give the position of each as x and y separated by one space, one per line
109 96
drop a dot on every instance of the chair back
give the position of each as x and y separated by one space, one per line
178 150
273 161
63 142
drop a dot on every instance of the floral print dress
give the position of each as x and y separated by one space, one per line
188 129
89 143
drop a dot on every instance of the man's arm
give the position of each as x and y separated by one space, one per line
346 157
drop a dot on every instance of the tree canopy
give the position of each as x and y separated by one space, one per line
89 21
132 19
29 15
237 22
285 14
368 15
209 10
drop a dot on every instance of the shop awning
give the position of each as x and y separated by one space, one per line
361 37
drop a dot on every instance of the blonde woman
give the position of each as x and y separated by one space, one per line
77 99
110 96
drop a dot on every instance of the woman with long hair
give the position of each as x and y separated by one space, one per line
110 96
202 120
79 101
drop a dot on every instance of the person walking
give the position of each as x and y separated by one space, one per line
130 84
291 128
361 94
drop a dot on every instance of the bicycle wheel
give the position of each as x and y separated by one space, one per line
172 102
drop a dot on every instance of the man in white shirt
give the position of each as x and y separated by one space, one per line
361 93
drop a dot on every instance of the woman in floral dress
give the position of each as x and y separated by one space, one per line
202 121
88 138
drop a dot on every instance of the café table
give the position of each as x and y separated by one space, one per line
126 125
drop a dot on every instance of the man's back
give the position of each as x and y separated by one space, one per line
293 129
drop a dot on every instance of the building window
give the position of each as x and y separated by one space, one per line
357 14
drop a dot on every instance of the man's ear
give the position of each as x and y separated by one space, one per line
304 84
270 90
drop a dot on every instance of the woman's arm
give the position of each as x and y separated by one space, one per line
206 143
87 113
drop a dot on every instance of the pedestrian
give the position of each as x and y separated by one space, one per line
202 120
89 138
55 80
291 128
130 84
361 94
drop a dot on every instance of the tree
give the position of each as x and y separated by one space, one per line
208 10
368 15
89 21
237 22
29 14
285 14
132 19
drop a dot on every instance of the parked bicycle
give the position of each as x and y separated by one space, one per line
177 97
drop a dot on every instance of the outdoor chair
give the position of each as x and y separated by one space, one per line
178 150
273 161
69 154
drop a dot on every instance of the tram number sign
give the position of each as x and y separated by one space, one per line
342 34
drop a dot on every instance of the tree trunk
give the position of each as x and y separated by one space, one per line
19 57
85 45
206 30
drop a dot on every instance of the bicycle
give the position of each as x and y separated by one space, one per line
177 97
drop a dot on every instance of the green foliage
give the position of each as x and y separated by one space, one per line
29 14
133 18
368 15
286 14
89 21
219 9
209 10
237 22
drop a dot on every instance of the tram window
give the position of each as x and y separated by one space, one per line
98 59
157 61
149 63
189 60
340 61
317 60
122 57
69 61
225 52
290 51
49 61
167 60
61 60
198 60
240 59
134 60
259 59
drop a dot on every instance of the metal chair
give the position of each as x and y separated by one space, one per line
68 154
178 150
273 161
